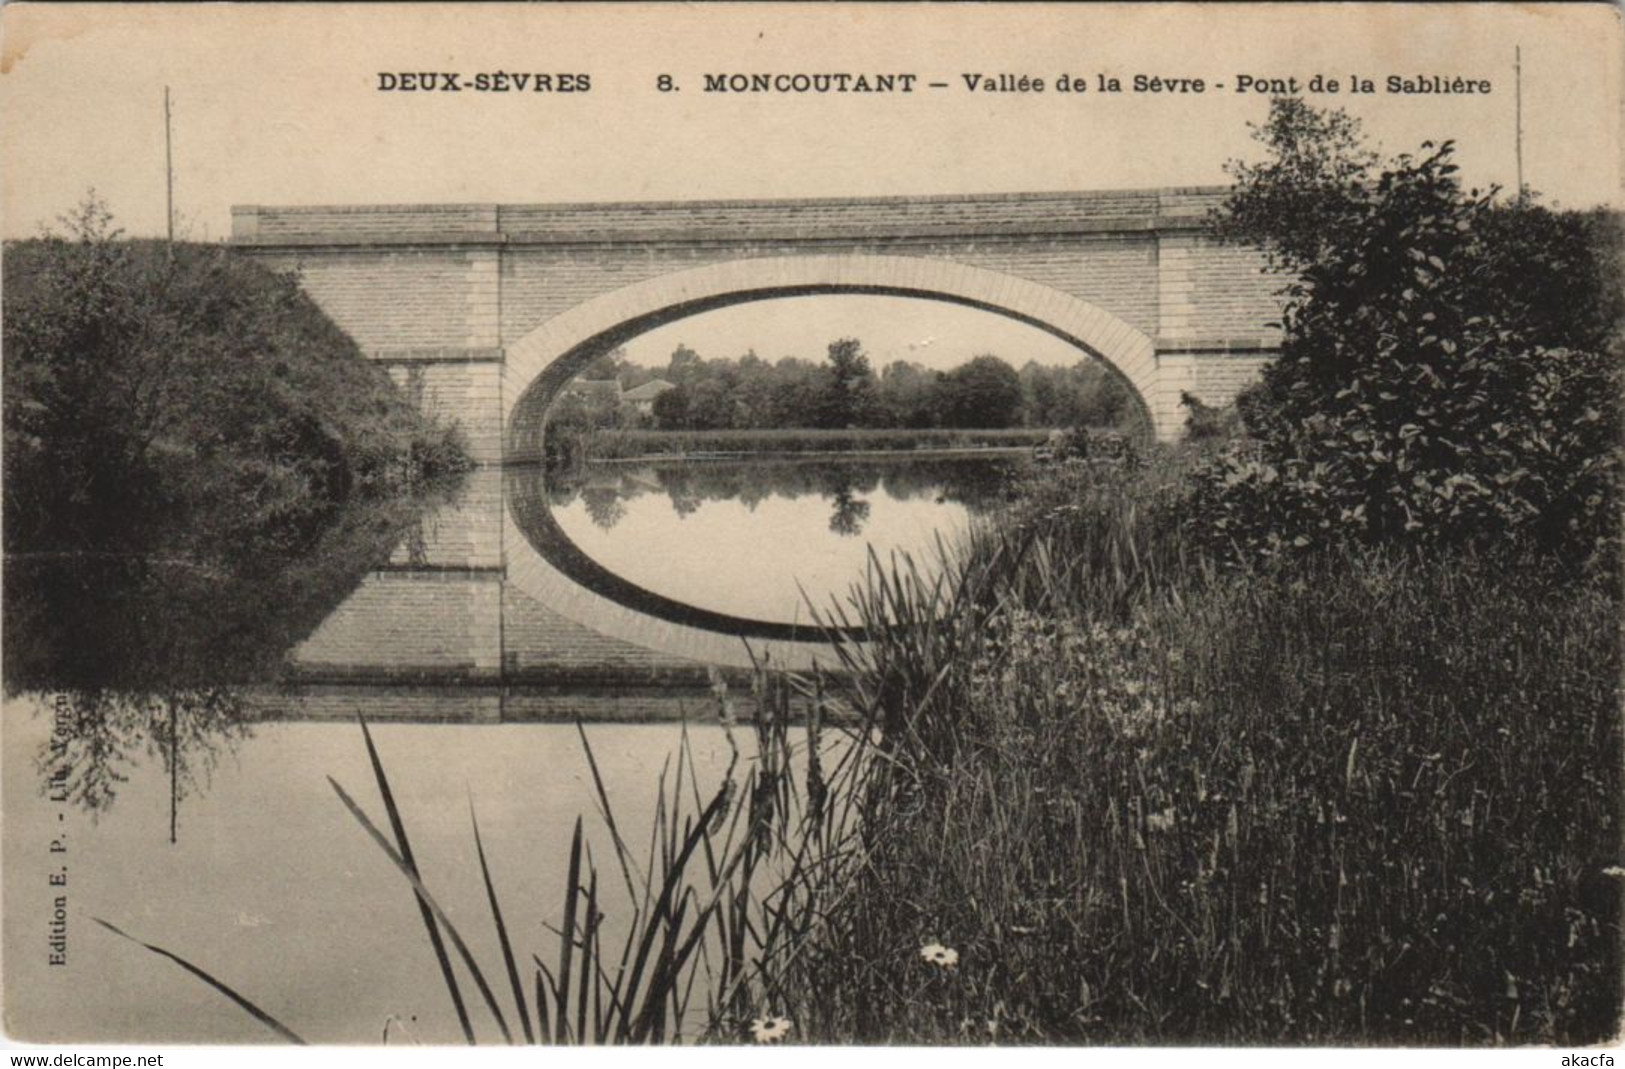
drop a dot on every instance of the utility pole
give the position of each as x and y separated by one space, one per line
1517 90
169 175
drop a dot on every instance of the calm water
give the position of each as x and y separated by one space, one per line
471 631
760 539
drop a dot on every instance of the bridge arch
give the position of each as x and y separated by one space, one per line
538 366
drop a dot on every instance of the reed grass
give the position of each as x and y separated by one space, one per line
1367 799
1098 790
729 884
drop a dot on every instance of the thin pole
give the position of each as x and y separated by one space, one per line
1517 84
169 174
174 764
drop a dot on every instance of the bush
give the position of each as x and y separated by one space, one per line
184 386
1419 398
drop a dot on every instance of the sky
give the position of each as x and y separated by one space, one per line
280 104
931 333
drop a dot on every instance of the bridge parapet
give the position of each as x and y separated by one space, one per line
732 221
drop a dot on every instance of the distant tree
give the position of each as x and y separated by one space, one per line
985 392
799 389
671 410
909 395
712 403
683 365
574 417
849 398
1107 399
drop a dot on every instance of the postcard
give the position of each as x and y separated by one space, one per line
839 525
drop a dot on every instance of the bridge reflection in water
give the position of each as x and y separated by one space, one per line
482 650
438 633
490 612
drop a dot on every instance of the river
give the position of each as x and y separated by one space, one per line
471 631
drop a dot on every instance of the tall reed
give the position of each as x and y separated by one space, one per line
1368 798
730 885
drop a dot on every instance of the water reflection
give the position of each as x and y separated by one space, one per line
602 490
99 735
155 651
408 610
150 698
748 547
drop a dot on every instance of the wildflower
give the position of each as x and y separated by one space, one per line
937 954
769 1029
1613 870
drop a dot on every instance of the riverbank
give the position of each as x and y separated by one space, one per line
814 456
186 432
1133 798
676 445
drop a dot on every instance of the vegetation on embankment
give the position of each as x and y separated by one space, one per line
187 436
1366 797
184 387
628 444
1311 739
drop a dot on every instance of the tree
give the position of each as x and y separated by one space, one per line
1421 397
909 395
683 365
671 410
849 397
185 386
1293 203
713 403
1085 394
985 392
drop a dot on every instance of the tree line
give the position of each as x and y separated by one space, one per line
844 391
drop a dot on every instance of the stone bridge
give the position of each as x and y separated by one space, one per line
483 311
465 622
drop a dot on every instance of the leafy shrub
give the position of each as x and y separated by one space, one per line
1207 422
150 383
1419 397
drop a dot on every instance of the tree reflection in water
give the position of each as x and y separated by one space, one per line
604 488
151 652
99 734
847 519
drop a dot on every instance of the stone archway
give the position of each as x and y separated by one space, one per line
538 366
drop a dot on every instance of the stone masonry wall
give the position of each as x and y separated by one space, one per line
438 292
465 393
1117 272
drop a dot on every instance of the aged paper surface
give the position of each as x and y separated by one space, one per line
269 884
